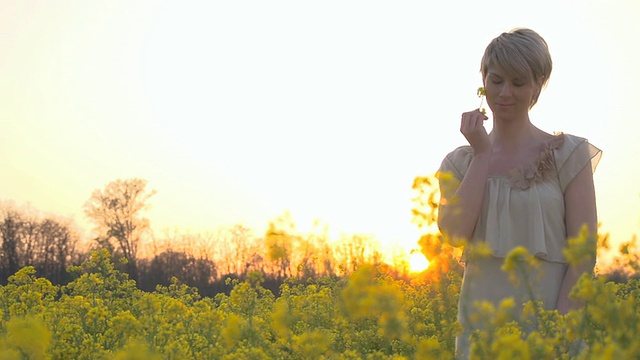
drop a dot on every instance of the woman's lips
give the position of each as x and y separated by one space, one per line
505 106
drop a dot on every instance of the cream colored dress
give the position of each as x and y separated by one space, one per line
525 209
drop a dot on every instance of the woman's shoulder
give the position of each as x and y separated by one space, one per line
568 145
573 154
461 151
457 161
570 141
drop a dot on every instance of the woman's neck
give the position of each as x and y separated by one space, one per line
514 134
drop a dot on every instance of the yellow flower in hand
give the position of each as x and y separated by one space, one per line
481 94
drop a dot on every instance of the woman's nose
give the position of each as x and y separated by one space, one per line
505 90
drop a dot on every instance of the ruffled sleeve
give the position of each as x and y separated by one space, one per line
457 162
452 171
573 156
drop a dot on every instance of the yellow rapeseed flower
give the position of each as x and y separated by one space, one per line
514 259
582 248
481 94
508 304
519 264
232 332
529 310
510 346
479 249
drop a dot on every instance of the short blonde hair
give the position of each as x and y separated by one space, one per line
520 52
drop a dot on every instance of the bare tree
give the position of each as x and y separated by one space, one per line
56 248
117 212
188 269
10 234
234 249
356 250
314 256
47 244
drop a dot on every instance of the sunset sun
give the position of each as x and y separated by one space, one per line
417 261
307 180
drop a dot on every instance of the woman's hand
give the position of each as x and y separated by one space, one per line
472 127
457 217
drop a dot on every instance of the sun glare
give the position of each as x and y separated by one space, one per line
418 262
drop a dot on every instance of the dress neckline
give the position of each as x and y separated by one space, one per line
522 177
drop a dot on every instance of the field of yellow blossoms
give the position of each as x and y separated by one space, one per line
367 314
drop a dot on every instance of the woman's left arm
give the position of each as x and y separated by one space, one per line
580 210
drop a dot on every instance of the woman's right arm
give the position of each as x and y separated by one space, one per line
459 210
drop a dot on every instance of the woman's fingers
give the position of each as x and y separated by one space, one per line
472 127
472 120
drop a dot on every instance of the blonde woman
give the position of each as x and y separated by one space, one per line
516 186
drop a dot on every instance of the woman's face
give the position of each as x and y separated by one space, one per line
509 96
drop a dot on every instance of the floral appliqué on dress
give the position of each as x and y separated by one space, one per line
522 178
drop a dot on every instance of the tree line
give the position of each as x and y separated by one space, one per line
202 260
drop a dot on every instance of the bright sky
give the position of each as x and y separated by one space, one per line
238 110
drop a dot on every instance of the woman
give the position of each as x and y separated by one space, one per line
516 186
